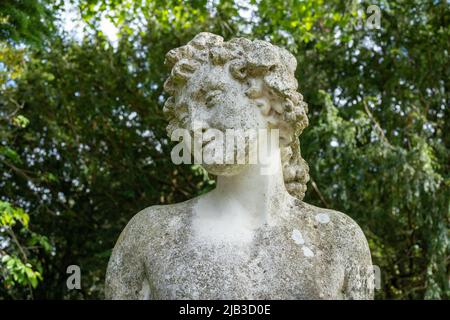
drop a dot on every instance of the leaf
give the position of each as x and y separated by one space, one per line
10 154
6 258
21 121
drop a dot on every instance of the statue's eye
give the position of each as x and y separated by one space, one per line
212 97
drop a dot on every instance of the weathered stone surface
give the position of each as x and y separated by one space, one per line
252 237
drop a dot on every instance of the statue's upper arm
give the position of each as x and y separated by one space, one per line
359 275
125 276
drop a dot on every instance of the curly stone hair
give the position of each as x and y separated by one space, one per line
248 59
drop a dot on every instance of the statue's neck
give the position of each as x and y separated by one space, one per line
243 202
258 190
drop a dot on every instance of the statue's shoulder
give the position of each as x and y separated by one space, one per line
158 215
150 229
155 221
338 229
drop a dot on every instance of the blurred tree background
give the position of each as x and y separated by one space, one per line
83 145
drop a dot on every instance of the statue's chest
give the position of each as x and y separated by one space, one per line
273 267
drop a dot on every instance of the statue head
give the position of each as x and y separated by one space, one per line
239 84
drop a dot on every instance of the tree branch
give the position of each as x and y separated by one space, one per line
316 189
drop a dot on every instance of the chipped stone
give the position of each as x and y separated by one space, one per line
322 218
297 237
307 252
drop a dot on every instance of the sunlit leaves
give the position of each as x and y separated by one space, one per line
9 215
20 121
18 264
19 273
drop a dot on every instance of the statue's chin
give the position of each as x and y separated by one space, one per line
224 169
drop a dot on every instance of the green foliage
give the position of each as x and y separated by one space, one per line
25 20
83 145
19 273
20 264
9 216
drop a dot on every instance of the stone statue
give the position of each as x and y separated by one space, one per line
251 237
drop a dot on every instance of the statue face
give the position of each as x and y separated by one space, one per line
217 100
213 99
